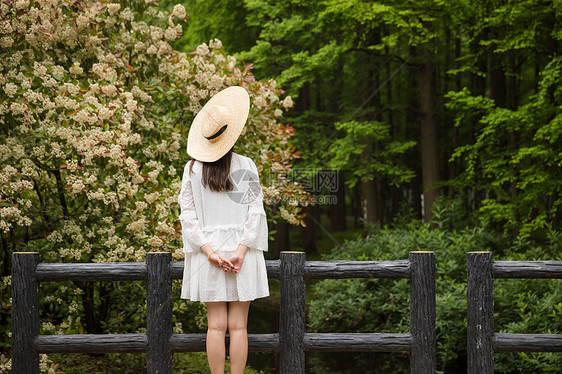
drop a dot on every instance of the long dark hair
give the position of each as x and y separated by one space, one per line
216 175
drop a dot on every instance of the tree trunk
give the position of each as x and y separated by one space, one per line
337 209
371 192
455 134
389 97
368 192
379 190
281 238
308 233
6 257
430 160
303 103
413 187
356 206
335 187
479 80
92 321
511 97
498 87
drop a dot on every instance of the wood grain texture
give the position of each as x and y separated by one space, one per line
504 342
273 268
106 271
357 269
197 342
422 313
480 313
159 322
292 313
357 342
91 343
527 269
25 312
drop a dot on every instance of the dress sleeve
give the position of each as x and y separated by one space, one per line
255 233
191 231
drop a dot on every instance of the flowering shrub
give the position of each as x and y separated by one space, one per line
95 107
94 116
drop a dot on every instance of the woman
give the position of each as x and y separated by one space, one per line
224 227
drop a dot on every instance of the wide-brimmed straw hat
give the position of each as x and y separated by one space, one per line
218 124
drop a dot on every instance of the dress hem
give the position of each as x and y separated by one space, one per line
222 301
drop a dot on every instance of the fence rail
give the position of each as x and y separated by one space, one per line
160 342
482 340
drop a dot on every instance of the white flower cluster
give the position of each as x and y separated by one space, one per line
288 217
5 364
96 135
45 364
179 11
7 280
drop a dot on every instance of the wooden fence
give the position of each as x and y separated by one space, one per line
482 341
160 342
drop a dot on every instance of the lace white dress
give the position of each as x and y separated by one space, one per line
223 219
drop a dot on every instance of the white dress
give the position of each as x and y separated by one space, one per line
223 219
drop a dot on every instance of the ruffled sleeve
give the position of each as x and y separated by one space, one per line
255 232
192 233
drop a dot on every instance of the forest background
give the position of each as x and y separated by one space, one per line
416 125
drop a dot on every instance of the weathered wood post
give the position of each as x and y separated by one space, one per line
25 312
422 312
159 323
480 313
291 314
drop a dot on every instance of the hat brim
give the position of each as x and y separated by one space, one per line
237 101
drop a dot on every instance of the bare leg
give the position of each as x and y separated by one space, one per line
237 329
217 317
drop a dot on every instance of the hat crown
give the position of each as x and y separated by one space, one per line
218 117
218 124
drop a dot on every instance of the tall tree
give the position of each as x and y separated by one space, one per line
429 140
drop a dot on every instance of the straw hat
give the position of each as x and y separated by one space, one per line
218 124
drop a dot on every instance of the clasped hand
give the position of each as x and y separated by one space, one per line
231 264
225 264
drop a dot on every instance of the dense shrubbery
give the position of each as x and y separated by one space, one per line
383 305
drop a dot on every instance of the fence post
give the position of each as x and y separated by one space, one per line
422 312
159 304
291 314
480 313
25 312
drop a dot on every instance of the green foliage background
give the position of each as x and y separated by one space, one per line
376 305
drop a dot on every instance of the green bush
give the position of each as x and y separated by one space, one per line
382 305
